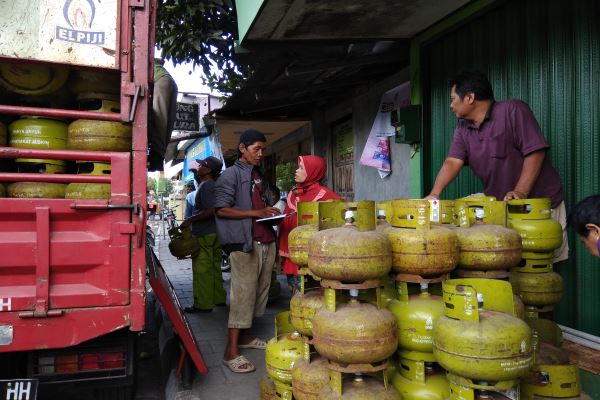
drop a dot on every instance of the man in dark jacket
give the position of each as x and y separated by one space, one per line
241 196
207 280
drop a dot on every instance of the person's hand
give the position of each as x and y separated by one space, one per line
431 196
185 224
515 195
267 212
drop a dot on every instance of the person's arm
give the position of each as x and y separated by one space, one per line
448 172
201 216
532 165
238 213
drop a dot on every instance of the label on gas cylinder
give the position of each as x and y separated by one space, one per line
434 215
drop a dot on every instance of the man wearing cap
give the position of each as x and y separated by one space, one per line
242 195
206 265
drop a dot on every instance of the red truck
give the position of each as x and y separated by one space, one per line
73 271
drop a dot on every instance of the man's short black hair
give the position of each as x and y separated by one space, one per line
249 137
473 81
587 211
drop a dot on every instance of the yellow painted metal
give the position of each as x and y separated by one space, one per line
551 381
432 251
360 388
84 134
488 247
308 213
283 323
465 389
388 208
542 289
283 390
32 79
309 378
3 135
267 389
36 190
441 211
331 214
486 209
280 355
94 82
532 218
382 223
479 337
182 244
348 255
535 262
414 214
416 315
298 243
90 190
39 133
303 307
547 330
355 333
415 381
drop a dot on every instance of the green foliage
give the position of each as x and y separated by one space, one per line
203 33
162 186
285 175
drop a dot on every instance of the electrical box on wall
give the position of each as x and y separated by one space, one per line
407 121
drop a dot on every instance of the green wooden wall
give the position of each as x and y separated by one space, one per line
547 53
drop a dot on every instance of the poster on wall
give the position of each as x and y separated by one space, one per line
376 153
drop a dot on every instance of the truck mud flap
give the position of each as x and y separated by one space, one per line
168 298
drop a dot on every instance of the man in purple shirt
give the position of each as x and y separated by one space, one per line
504 146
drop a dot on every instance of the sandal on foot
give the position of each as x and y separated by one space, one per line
256 343
236 365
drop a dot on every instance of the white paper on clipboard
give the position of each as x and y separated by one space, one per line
276 217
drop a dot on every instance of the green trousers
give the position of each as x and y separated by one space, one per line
206 270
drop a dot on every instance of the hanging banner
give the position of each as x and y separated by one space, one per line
377 149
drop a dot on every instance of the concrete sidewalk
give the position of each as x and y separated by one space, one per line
210 330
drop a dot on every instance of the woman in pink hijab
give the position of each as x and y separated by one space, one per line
311 170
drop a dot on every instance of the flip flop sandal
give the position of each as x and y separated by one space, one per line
236 364
256 343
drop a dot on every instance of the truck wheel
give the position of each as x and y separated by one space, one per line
188 372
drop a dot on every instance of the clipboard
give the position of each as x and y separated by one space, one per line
275 217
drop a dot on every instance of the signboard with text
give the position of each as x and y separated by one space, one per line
187 118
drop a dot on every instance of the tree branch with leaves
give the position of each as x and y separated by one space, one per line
202 32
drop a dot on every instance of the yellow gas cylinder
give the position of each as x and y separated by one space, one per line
479 337
3 135
267 389
303 307
542 289
87 134
94 82
382 223
532 218
416 315
355 333
361 388
488 247
282 352
417 380
387 208
419 248
552 376
473 209
547 330
309 378
298 243
39 133
441 211
32 79
467 389
37 190
346 254
332 214
182 244
382 297
90 190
